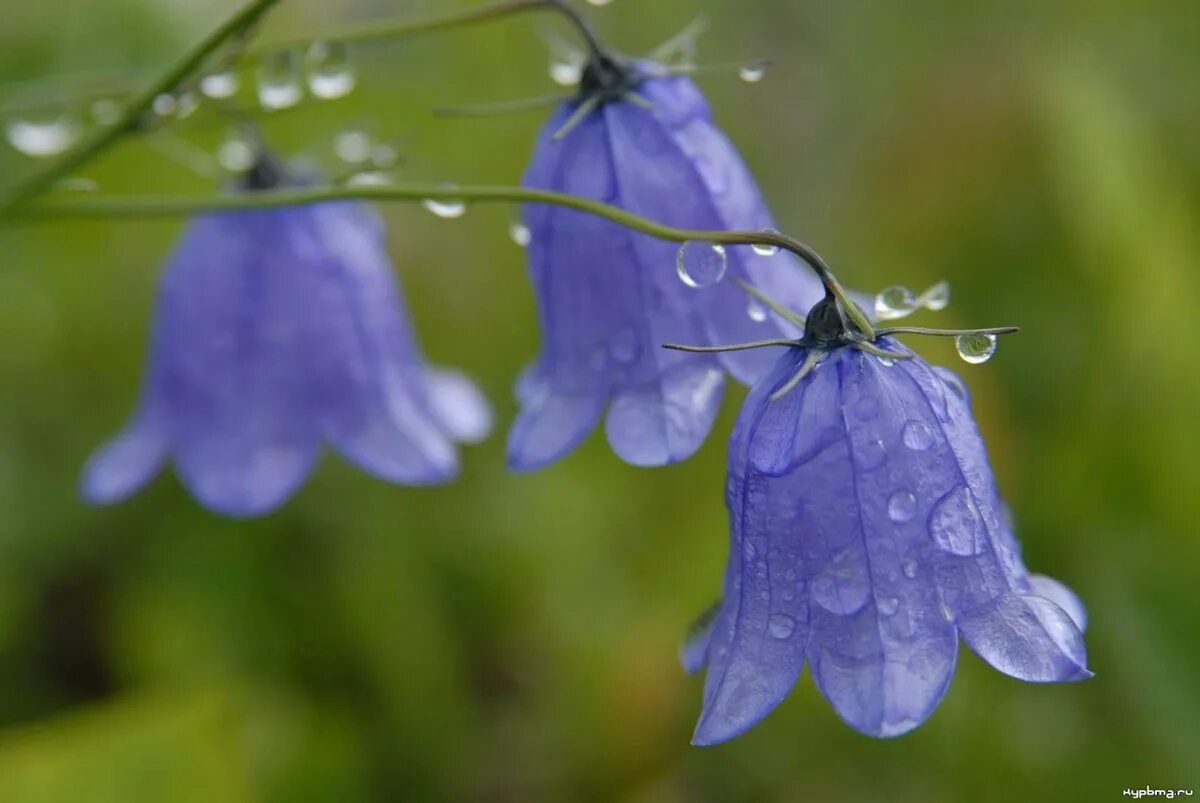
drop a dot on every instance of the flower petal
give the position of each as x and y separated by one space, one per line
122 466
1027 637
666 421
1042 586
458 405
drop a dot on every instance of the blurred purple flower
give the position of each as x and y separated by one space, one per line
608 297
277 330
867 536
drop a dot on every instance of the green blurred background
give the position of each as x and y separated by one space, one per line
513 638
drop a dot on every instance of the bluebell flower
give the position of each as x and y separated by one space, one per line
608 297
867 536
276 331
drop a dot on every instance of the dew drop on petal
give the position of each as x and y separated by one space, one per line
902 506
331 74
888 606
781 626
279 85
894 302
842 586
918 435
975 348
752 73
910 569
955 523
40 139
700 264
755 311
447 209
220 85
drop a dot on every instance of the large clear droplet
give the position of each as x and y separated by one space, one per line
236 153
331 74
41 139
446 209
902 506
781 626
279 84
975 348
894 302
936 298
756 311
752 73
701 264
352 146
220 85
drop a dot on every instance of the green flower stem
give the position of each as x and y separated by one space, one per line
170 206
102 137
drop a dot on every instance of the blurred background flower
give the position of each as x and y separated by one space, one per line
514 637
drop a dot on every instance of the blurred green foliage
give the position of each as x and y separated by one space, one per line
513 638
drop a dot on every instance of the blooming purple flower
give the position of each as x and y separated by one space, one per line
608 297
866 537
277 330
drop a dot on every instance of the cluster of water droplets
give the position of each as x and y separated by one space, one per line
369 161
325 71
898 301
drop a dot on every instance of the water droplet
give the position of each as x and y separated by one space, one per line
352 146
781 626
955 523
976 348
936 298
701 264
888 606
910 569
756 311
236 153
369 178
279 84
43 138
902 506
331 74
520 233
752 73
566 71
894 302
871 455
186 105
599 3
766 249
842 586
220 85
918 435
164 105
447 209
106 111
886 362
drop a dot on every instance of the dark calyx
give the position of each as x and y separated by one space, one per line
267 173
827 326
607 78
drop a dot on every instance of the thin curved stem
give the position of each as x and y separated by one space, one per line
757 344
921 330
170 206
104 136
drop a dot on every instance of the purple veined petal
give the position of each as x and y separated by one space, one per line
550 424
231 346
1027 637
458 405
799 425
370 388
758 638
121 467
1042 586
882 649
666 421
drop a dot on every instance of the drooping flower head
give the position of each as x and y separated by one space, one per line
644 140
867 537
278 330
